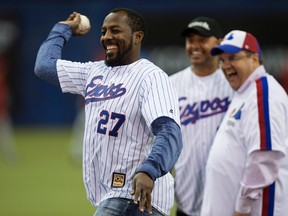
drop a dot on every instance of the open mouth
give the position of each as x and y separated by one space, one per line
111 48
196 54
231 75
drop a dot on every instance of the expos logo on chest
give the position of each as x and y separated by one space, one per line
97 91
190 113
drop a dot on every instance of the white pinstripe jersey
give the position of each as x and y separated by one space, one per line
120 105
203 102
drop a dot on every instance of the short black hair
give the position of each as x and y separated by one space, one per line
135 19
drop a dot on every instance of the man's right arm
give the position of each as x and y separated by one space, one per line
50 51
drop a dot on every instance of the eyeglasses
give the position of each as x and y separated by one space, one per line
232 58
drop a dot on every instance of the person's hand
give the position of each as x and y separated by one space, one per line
73 21
142 186
241 214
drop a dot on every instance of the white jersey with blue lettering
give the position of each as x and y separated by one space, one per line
203 102
120 105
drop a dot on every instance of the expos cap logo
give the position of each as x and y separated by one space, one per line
230 37
97 91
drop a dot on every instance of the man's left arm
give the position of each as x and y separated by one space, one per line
262 168
166 149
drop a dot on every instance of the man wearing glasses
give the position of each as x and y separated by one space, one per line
247 168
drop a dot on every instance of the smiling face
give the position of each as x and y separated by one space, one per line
122 46
238 67
198 49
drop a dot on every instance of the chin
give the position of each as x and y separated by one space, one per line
111 63
108 63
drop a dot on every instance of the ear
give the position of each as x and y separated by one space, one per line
219 40
256 60
138 36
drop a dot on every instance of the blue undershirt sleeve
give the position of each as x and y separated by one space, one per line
166 148
50 51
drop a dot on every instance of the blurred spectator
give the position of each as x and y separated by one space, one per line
7 147
8 33
283 77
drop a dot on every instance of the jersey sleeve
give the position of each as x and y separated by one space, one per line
72 76
261 171
159 98
264 131
263 125
51 50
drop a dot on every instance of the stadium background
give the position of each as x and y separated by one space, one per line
44 180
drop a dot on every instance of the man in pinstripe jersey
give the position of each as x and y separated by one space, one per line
204 96
247 168
132 135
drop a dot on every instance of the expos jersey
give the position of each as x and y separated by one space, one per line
120 105
203 102
257 119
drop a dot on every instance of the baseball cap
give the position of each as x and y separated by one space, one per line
205 26
235 41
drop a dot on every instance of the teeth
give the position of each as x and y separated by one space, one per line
111 47
196 53
230 73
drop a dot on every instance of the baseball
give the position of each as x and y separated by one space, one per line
84 23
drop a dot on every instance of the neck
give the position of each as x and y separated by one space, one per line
204 70
207 68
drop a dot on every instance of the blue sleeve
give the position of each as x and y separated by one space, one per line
166 148
51 50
